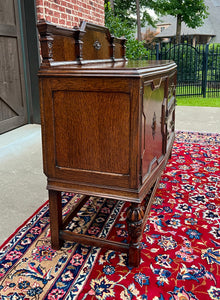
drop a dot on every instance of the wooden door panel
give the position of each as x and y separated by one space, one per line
88 147
10 83
152 138
7 13
12 93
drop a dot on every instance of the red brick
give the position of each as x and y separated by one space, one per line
70 12
63 16
62 22
61 9
71 5
55 20
40 10
49 18
56 14
70 18
39 2
54 6
63 3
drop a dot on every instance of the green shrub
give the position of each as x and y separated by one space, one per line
214 62
134 48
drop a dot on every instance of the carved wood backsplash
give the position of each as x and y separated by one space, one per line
86 43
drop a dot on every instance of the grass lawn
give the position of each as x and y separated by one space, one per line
198 101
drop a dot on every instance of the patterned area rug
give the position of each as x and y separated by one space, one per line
180 247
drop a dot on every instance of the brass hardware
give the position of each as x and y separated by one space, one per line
97 45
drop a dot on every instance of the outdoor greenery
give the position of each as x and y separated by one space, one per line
198 67
191 12
195 76
190 59
122 27
198 101
136 13
214 61
121 17
127 10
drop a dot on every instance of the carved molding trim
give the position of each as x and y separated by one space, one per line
154 125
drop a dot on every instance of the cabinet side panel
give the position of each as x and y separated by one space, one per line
152 138
92 131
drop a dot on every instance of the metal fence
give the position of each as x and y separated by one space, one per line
198 67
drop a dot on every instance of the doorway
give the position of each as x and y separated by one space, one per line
19 63
13 111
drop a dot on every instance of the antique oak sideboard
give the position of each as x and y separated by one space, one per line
107 126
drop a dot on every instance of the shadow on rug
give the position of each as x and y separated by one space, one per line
181 243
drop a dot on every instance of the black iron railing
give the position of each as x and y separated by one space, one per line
198 66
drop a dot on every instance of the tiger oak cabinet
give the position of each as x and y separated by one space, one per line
107 126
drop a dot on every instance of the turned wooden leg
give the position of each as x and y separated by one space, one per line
135 214
55 206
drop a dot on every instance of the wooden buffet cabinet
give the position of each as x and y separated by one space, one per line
107 126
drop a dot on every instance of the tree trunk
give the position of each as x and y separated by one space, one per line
178 29
139 37
112 5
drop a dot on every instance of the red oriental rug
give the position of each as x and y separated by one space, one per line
181 242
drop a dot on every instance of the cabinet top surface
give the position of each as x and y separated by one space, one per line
126 68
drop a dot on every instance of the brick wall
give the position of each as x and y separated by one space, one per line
69 13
